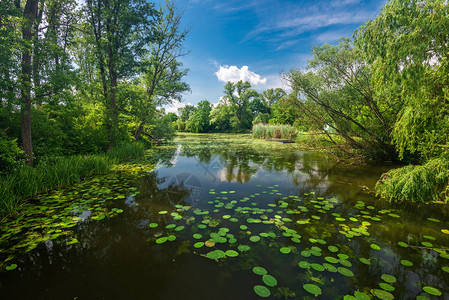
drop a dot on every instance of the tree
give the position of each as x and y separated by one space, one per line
340 95
407 47
239 96
271 96
121 29
162 73
199 120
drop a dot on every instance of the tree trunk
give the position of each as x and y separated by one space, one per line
139 130
29 13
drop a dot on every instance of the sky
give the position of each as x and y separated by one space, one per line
258 40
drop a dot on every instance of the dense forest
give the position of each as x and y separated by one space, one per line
87 78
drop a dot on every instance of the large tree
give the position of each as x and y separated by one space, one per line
407 47
162 72
121 29
239 96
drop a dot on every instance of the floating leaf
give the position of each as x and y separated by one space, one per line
386 287
153 225
330 268
254 238
231 253
317 267
259 271
304 264
432 290
269 280
179 228
197 236
332 260
161 240
198 244
11 267
345 272
262 291
445 269
312 288
402 244
374 247
384 295
365 261
332 249
243 248
445 231
406 263
285 250
163 212
388 278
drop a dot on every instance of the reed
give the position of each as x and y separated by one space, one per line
265 131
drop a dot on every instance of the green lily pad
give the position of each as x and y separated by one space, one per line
345 272
243 227
388 278
161 240
153 225
330 268
254 238
387 287
402 244
262 291
179 228
11 267
374 247
259 271
361 296
163 212
433 220
384 295
332 260
432 290
304 264
312 288
285 250
198 244
406 263
365 261
269 280
231 253
317 267
445 269
332 248
243 248
197 236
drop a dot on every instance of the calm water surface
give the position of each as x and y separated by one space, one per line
306 219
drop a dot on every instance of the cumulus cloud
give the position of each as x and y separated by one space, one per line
173 107
234 74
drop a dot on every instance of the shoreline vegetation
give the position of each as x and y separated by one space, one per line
25 182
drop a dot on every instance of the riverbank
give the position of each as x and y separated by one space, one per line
25 182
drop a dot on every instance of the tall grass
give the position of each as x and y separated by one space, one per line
264 131
25 181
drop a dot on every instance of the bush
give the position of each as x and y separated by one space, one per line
10 154
416 183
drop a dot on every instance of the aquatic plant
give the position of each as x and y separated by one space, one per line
264 131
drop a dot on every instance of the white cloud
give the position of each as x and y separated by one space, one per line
234 74
173 108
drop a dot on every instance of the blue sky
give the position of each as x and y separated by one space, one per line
257 40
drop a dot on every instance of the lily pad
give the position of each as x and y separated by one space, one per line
304 264
406 263
198 244
153 225
388 278
384 295
262 291
312 288
285 250
161 240
345 272
374 247
254 238
231 253
269 280
386 286
259 271
432 290
11 267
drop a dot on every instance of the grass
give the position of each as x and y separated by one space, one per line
264 131
25 182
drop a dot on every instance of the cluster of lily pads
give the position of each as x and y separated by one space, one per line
52 215
315 232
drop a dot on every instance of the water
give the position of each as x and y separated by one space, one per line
209 186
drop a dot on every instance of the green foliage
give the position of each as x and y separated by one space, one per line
263 131
10 154
25 181
414 76
199 120
418 183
